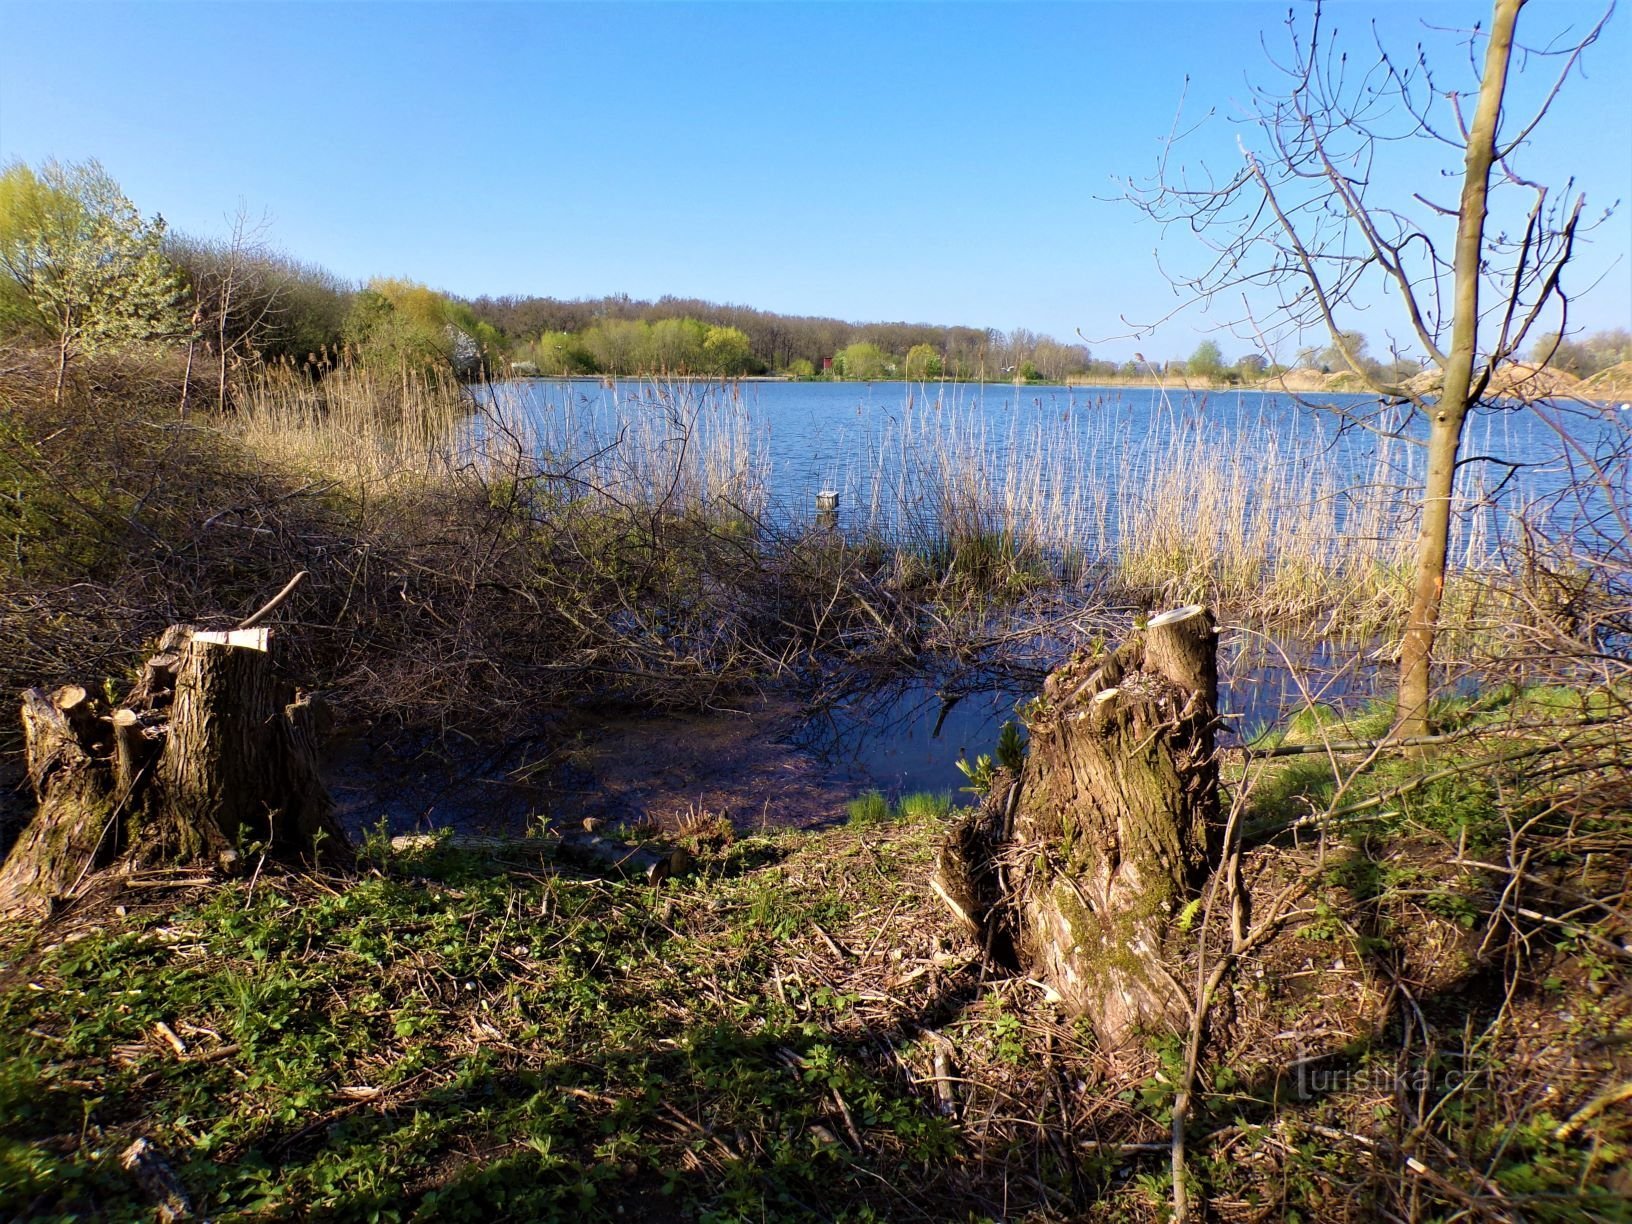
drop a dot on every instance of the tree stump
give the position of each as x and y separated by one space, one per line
1114 825
72 831
212 752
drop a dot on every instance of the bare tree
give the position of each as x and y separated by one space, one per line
1310 224
236 286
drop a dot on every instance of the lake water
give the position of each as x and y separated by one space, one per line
1078 457
1074 458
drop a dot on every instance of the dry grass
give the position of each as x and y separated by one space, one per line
356 424
1265 518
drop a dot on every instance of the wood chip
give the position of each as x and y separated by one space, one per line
169 1034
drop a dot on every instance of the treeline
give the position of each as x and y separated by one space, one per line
82 269
623 335
1586 356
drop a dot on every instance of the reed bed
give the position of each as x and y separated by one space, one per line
669 447
1266 513
357 423
1261 513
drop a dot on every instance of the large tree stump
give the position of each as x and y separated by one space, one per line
1115 821
72 831
213 752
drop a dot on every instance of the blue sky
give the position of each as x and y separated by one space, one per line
942 163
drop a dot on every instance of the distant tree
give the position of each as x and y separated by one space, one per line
678 346
83 268
620 346
1207 361
1609 348
561 354
923 362
1056 362
802 367
727 351
397 324
1252 365
308 323
400 324
1347 351
860 360
1583 357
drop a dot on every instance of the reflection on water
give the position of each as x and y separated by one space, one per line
903 737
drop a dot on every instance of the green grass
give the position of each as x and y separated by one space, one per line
924 806
869 808
456 1036
444 1040
873 808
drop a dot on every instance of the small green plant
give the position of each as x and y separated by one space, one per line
925 806
1011 747
871 808
979 773
1011 755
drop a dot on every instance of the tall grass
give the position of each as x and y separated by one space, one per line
357 423
663 447
1262 513
673 447
1255 513
1259 518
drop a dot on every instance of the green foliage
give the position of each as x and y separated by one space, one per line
925 806
321 991
677 347
726 352
400 325
1011 755
923 362
862 360
1011 747
82 267
309 318
1207 361
620 346
802 367
562 355
872 808
979 772
869 809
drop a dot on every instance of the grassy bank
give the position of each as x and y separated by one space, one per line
796 1031
463 560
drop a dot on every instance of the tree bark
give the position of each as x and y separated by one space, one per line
1114 826
74 829
239 767
213 751
62 370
